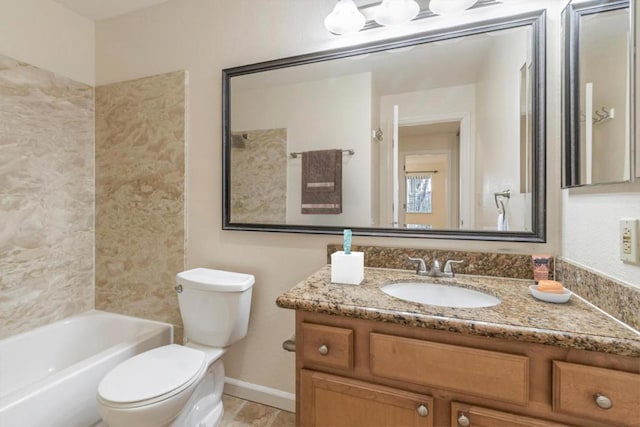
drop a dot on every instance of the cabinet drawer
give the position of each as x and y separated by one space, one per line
327 346
469 415
482 373
576 388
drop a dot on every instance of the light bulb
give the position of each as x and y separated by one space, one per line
450 7
345 18
396 12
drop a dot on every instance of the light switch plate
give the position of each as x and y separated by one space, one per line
629 240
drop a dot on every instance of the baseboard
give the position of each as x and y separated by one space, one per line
260 394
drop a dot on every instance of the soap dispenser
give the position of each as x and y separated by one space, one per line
347 267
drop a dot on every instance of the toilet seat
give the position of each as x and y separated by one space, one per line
152 376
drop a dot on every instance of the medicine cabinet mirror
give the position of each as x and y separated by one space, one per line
441 135
596 93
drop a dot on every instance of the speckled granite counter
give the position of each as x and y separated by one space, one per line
519 317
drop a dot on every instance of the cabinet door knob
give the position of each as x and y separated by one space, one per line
463 421
323 350
603 401
423 411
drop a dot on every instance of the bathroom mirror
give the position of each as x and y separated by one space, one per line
596 93
441 135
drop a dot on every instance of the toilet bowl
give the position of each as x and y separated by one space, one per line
181 386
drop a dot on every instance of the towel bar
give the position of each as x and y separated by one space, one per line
350 151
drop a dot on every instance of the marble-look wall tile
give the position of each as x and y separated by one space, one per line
259 176
140 187
517 266
46 197
616 298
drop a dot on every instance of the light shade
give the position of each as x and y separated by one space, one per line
345 18
450 7
396 12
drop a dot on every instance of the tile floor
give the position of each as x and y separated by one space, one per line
242 413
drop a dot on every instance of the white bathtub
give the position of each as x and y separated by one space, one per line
49 376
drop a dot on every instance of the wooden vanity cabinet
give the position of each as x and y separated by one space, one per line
352 373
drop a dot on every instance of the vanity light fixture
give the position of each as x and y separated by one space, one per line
450 7
345 18
396 12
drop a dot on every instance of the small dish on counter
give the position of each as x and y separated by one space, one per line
549 296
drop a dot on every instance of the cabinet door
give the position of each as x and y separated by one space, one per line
475 416
331 401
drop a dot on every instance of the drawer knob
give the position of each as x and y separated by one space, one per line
423 411
603 401
323 350
463 421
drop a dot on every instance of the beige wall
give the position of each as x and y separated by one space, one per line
203 37
46 197
47 35
140 160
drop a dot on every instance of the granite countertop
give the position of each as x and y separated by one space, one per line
575 324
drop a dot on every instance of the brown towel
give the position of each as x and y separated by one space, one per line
322 182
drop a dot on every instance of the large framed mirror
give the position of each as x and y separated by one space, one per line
597 93
439 135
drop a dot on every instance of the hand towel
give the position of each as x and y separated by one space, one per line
503 222
322 182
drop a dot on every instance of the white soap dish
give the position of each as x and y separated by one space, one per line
550 297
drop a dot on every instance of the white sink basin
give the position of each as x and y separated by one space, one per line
440 295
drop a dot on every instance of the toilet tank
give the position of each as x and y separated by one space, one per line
214 305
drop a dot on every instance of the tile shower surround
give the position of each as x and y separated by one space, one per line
616 298
259 177
46 197
140 180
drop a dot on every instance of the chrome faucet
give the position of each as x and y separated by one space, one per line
421 269
448 270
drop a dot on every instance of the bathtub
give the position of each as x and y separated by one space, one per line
49 376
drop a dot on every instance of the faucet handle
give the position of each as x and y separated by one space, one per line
435 267
448 270
422 267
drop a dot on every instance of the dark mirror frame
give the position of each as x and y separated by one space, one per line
537 21
571 84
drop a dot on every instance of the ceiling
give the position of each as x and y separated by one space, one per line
97 10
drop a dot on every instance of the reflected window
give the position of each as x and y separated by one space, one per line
419 194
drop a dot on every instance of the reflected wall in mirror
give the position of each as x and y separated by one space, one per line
597 94
439 135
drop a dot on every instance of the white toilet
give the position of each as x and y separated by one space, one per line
181 386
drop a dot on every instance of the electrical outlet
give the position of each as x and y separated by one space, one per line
629 240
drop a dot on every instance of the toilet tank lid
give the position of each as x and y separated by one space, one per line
207 279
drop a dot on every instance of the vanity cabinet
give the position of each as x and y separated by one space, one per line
353 372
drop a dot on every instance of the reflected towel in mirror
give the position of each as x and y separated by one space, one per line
322 182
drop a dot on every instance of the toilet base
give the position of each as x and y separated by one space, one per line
204 408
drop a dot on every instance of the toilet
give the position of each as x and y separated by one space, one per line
181 385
